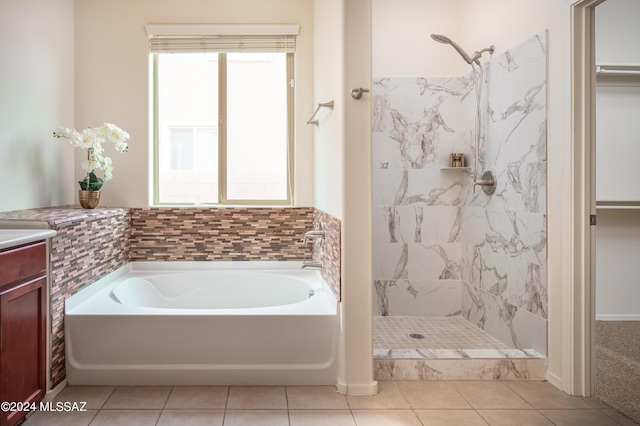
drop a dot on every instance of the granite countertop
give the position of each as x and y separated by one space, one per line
16 237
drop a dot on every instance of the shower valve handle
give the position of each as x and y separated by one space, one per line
488 183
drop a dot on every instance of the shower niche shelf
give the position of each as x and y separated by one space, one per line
455 168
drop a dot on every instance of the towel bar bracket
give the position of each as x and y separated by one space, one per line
316 122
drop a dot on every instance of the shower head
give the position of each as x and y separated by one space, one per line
446 40
469 59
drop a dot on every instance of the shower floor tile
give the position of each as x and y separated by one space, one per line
441 334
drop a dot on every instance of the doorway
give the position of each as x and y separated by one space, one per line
581 316
617 314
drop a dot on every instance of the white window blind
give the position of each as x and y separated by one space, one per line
179 38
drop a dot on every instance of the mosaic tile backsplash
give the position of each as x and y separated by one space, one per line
89 245
231 234
328 252
206 234
93 243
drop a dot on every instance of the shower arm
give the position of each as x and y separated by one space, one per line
478 54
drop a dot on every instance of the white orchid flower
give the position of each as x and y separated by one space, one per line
92 139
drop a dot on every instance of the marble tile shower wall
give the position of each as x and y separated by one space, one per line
505 239
439 247
417 207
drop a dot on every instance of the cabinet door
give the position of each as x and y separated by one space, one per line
22 345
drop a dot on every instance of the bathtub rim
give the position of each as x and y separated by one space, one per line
74 304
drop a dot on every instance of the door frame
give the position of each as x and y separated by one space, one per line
579 312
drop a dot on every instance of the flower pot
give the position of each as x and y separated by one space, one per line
88 199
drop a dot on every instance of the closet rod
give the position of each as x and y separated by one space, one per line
601 71
618 205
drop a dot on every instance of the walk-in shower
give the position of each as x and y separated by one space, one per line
488 178
460 278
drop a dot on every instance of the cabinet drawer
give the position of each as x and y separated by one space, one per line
23 262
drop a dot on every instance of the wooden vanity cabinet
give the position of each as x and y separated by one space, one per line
23 289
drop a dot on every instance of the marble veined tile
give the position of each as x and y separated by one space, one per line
431 225
385 152
433 187
390 261
434 261
389 186
416 223
440 297
462 369
514 327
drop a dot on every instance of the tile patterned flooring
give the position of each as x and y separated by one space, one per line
392 332
398 403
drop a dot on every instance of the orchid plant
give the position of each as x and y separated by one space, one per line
92 139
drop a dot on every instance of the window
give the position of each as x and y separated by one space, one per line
223 122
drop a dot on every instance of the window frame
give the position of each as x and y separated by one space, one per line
223 200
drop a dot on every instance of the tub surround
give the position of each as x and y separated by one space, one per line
439 247
328 252
206 234
245 234
90 244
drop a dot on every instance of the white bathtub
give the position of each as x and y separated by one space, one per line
203 323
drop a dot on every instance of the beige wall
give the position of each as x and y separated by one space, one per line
36 96
356 369
112 78
328 85
402 44
617 32
342 161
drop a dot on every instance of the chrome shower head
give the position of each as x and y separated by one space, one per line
446 40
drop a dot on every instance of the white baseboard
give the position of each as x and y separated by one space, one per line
554 380
616 317
52 393
359 389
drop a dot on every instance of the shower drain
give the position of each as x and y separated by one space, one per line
416 336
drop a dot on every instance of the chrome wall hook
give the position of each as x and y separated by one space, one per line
357 92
